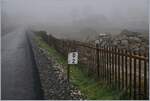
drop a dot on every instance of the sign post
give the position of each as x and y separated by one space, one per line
68 73
72 59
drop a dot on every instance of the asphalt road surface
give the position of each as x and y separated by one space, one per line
19 75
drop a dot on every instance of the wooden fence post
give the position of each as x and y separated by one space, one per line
119 68
106 49
134 77
113 65
145 79
122 52
108 65
126 69
103 62
104 58
130 79
97 55
110 59
100 55
139 76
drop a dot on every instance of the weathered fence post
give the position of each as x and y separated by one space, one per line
122 52
110 59
126 69
113 65
103 73
108 65
106 49
100 55
134 96
119 68
97 55
139 77
130 79
145 78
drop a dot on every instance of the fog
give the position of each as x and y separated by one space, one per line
69 17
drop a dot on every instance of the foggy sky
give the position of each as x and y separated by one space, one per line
101 14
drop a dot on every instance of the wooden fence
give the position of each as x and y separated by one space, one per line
125 70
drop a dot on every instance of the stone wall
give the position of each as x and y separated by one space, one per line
132 41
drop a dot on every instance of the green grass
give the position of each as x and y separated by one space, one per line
91 88
50 50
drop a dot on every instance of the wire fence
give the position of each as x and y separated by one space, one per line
125 70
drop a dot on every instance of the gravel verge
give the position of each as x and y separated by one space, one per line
53 79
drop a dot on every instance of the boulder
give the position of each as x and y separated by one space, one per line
124 42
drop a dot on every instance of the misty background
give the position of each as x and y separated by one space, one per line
72 18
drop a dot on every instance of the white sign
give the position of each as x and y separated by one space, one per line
73 58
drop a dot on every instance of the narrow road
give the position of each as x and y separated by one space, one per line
19 77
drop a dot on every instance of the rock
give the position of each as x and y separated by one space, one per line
133 41
136 39
124 42
115 43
